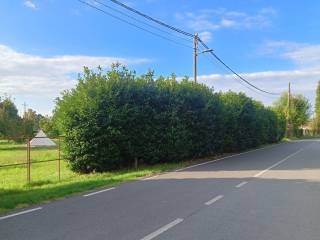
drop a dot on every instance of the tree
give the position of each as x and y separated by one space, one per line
48 125
10 122
112 120
317 109
31 122
298 113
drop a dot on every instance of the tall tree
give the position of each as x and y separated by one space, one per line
299 109
47 124
10 122
31 121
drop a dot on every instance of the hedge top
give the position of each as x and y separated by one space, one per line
113 119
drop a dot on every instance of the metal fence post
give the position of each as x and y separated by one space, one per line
28 162
59 158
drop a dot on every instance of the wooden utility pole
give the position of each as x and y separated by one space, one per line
195 49
289 132
59 159
24 118
28 162
289 99
24 109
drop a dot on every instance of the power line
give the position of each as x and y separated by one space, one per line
140 21
134 25
180 31
234 77
152 19
190 35
234 72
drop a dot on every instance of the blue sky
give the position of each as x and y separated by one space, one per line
44 43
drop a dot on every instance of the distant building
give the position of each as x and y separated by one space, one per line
42 140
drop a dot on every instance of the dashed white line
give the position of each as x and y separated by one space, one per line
241 184
213 200
20 213
278 163
162 229
101 191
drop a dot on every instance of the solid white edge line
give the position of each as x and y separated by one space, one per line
213 200
215 160
101 191
20 213
281 161
241 184
162 229
234 155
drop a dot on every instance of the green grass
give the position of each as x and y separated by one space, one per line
45 186
11 153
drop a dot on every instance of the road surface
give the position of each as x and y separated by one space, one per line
270 193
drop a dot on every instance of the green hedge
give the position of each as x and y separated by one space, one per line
110 120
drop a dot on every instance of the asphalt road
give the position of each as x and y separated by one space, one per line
270 193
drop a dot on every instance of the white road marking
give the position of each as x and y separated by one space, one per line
219 159
241 184
215 160
162 229
213 200
101 191
278 163
20 213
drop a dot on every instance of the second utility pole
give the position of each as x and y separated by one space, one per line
195 49
289 127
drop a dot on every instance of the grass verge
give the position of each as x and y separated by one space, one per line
15 193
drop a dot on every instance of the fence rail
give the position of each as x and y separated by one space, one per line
26 152
25 163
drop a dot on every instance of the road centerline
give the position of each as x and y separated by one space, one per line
241 184
162 229
20 213
213 200
280 162
101 191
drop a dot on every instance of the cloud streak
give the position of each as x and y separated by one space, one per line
22 73
216 19
304 81
30 4
301 54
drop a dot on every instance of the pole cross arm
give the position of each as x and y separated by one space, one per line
206 51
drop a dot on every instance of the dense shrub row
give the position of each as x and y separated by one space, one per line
110 120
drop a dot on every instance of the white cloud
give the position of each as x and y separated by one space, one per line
28 74
221 18
30 4
227 23
303 81
205 36
305 55
300 53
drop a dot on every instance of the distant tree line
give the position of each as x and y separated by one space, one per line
298 114
115 119
18 128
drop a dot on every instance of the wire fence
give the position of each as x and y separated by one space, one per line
21 161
